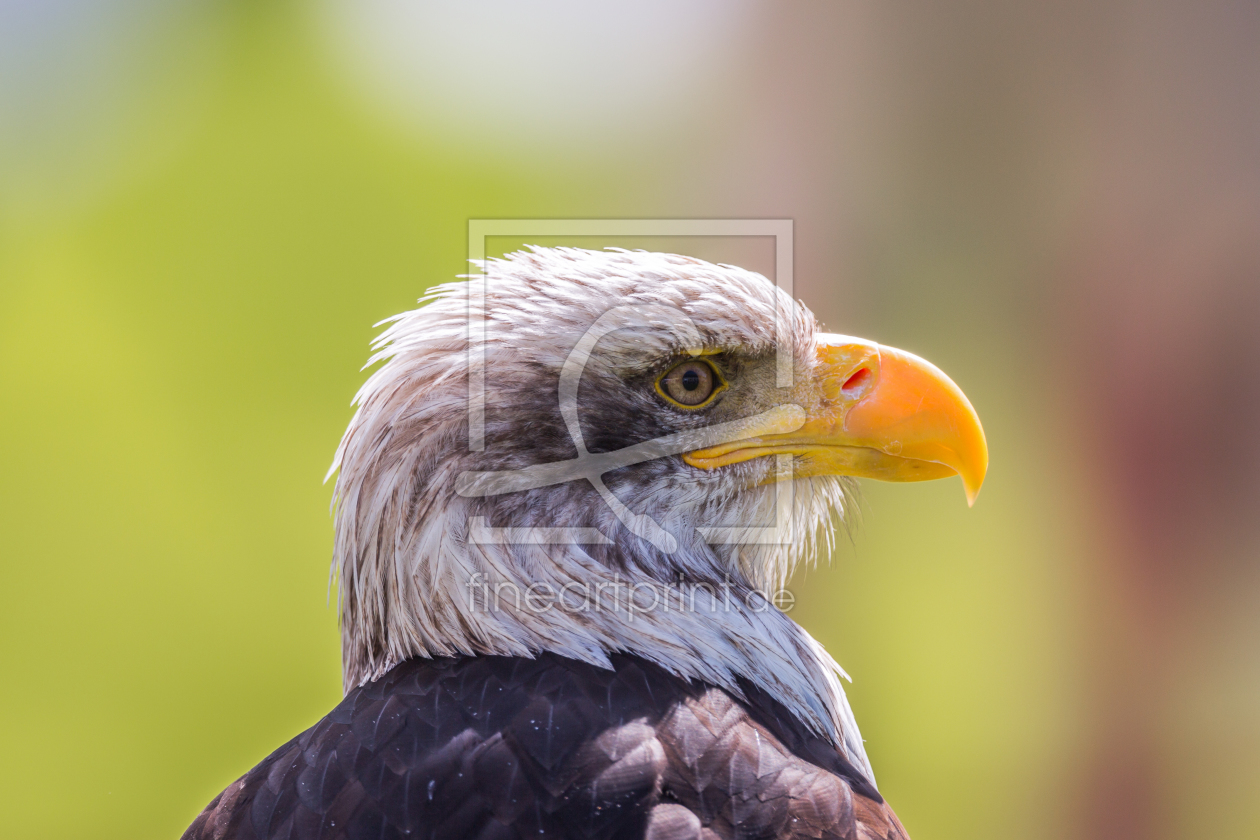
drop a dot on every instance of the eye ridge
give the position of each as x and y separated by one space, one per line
690 384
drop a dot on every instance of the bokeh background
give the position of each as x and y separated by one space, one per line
205 206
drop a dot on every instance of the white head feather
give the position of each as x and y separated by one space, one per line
413 583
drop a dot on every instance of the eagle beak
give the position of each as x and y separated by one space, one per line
878 413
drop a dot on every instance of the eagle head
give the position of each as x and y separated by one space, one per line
592 452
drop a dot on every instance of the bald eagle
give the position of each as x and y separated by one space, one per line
560 609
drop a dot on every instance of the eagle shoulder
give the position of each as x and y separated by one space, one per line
503 747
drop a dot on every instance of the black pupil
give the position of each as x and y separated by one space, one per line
691 380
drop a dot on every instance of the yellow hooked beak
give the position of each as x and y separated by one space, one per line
878 413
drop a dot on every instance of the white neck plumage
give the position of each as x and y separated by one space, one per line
454 585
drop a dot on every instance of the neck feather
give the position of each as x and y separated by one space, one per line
443 588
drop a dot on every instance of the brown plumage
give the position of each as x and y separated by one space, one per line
502 747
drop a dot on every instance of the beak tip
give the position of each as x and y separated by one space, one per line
972 485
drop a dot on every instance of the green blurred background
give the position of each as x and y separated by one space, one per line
204 207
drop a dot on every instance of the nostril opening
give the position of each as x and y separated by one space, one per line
855 382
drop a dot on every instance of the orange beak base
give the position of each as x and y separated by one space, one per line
877 412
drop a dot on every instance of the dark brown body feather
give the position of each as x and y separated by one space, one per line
500 747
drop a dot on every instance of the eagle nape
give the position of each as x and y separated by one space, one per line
557 559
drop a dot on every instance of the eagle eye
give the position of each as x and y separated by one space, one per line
690 384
